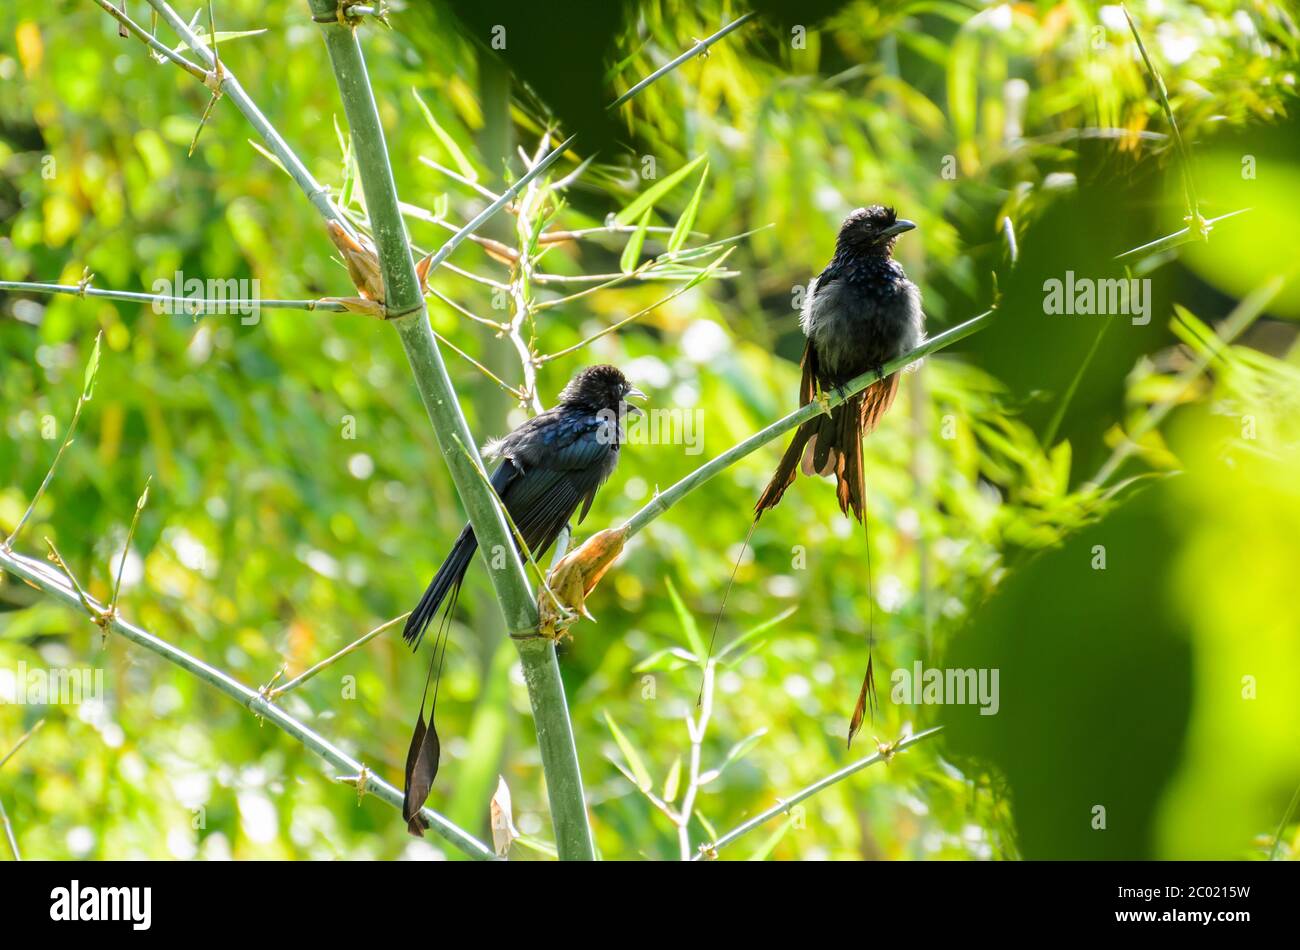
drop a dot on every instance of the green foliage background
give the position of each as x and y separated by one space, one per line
272 537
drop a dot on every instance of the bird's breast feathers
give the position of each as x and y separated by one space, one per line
855 323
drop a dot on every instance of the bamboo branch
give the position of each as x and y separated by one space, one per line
87 390
404 303
161 51
229 86
884 754
60 588
699 47
172 304
277 692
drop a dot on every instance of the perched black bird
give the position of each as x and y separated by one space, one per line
860 313
549 466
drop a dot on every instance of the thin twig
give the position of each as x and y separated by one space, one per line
1178 238
126 548
274 694
699 47
22 740
165 303
696 727
160 49
458 177
478 366
1185 159
704 275
883 755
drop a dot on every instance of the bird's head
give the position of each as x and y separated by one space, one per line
871 230
599 388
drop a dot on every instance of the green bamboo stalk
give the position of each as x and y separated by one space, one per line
406 310
710 850
61 589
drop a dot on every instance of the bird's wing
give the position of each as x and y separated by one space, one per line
569 462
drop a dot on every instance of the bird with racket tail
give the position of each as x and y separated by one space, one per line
859 314
546 469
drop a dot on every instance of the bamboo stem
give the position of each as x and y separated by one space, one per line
405 305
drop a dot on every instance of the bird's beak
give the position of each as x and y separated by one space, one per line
635 393
898 227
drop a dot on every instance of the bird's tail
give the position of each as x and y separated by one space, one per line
788 467
831 444
449 577
423 757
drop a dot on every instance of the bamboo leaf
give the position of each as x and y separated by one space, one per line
646 200
753 632
222 36
764 850
672 784
687 620
269 156
632 252
639 772
684 224
458 157
92 369
736 752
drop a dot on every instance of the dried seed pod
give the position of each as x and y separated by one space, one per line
362 262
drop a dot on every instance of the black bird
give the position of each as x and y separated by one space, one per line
860 313
548 466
